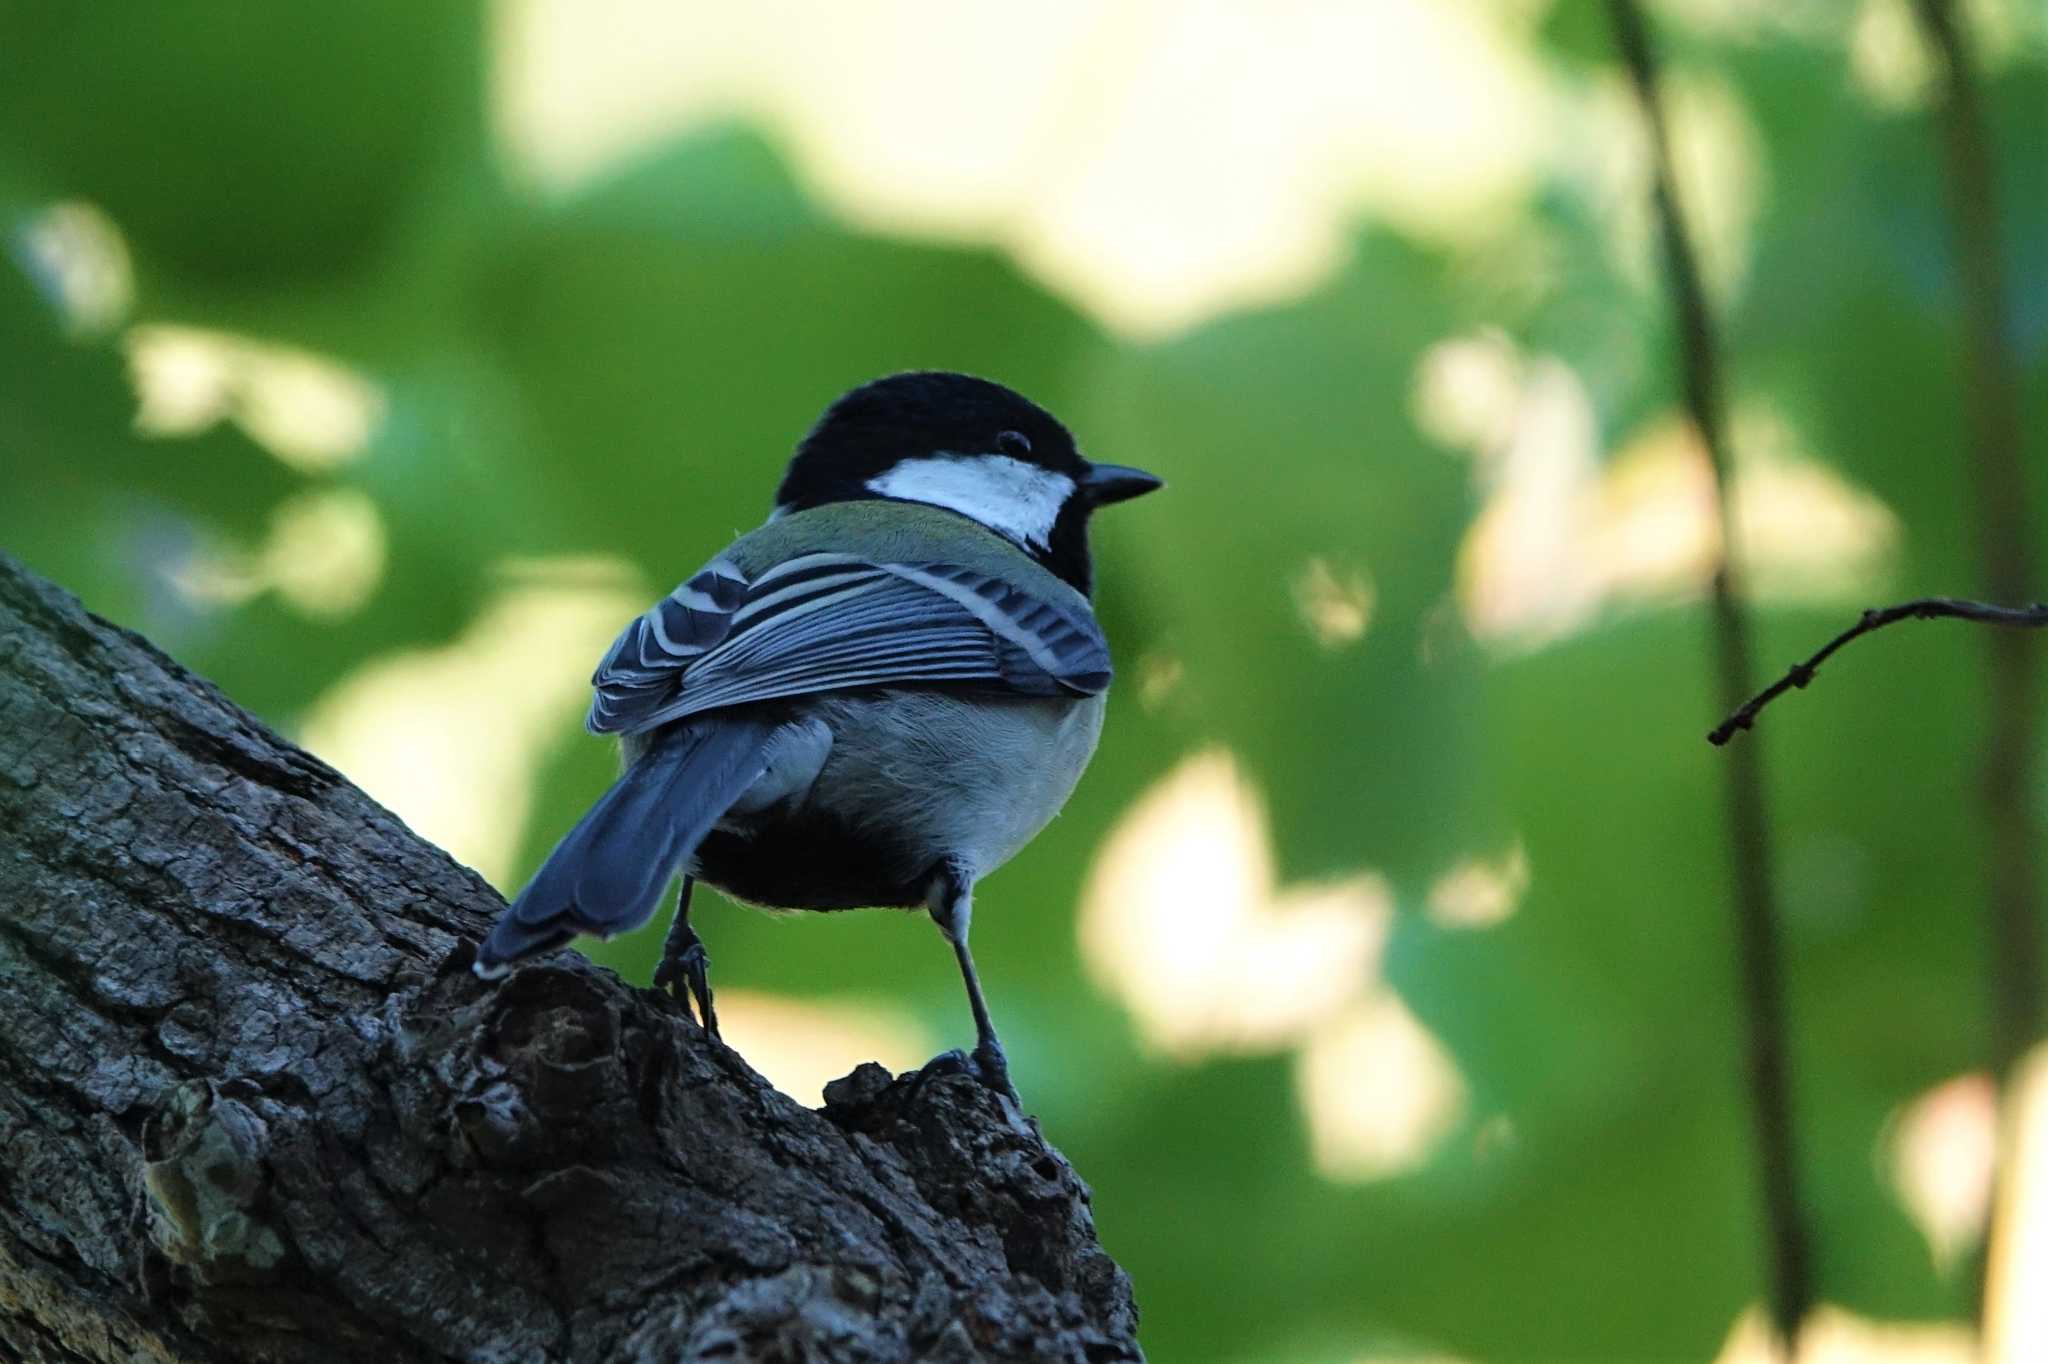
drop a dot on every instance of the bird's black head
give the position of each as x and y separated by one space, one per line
970 446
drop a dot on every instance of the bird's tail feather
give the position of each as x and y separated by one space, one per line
607 873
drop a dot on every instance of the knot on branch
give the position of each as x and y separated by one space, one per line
559 1159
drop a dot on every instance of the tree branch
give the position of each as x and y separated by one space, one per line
1758 952
2005 547
1923 608
254 1107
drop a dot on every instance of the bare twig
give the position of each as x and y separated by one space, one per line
2005 546
1923 608
1754 905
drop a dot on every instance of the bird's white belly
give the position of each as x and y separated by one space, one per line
971 780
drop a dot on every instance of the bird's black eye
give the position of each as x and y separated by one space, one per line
1014 444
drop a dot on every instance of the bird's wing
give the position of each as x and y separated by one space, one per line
828 622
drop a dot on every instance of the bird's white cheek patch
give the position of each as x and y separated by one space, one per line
1007 495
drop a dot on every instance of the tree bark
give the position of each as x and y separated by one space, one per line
253 1106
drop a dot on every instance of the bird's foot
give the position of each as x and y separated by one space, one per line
985 1063
686 975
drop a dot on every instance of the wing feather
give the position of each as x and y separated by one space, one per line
829 622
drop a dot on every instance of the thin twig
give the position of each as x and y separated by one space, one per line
1754 905
1922 608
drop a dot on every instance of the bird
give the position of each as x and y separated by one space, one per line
874 699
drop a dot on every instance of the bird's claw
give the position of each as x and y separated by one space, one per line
985 1063
687 976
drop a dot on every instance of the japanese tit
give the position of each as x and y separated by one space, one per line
875 699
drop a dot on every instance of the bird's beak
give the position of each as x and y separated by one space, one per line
1107 483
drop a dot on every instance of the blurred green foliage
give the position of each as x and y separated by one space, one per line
623 371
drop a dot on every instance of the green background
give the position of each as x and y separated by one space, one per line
623 370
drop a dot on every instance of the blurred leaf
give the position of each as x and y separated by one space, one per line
1284 439
672 349
243 145
1867 354
91 503
1577 31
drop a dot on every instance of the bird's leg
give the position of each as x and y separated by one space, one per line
684 962
952 908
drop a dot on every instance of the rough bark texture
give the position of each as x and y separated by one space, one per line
252 1106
